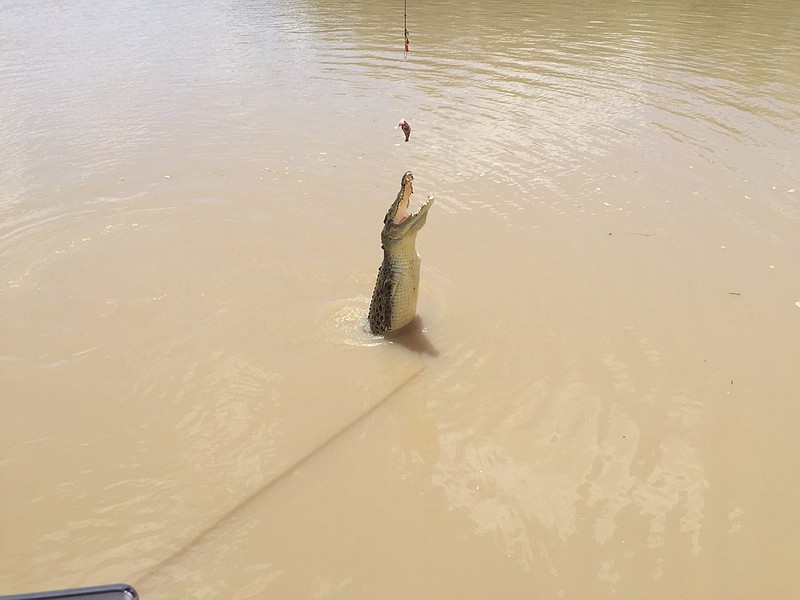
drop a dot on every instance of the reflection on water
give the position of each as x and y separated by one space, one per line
592 402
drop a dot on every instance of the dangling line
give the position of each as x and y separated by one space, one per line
405 28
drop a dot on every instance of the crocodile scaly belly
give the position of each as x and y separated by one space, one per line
394 300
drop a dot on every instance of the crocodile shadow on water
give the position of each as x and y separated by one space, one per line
413 337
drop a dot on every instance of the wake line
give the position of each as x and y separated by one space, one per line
138 580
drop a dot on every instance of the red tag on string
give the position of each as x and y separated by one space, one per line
405 29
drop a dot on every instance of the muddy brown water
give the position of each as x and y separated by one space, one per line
599 399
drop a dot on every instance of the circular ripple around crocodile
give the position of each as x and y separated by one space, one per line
345 322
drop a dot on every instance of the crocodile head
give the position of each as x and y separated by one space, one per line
398 222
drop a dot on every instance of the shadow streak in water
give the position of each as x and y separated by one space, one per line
413 337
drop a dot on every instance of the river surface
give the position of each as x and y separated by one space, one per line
600 398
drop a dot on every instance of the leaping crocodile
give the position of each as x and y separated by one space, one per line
394 300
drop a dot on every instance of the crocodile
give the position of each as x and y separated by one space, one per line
394 300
